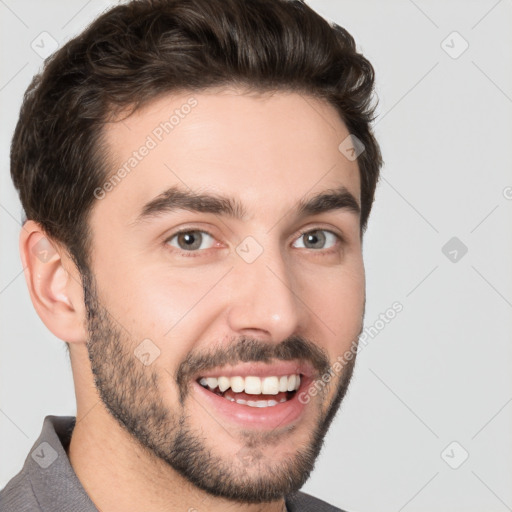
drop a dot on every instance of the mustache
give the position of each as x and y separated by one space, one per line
245 349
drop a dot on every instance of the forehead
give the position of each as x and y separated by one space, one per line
270 149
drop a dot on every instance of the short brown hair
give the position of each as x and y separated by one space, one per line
136 52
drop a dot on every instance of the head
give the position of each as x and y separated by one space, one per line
184 165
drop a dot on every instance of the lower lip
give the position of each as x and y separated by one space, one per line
271 417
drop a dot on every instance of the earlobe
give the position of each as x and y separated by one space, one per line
54 284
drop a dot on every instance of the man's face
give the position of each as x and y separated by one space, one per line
199 340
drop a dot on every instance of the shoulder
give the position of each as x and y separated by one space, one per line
302 502
17 495
38 486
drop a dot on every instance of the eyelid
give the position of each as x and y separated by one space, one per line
188 229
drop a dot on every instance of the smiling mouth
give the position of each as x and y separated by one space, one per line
253 391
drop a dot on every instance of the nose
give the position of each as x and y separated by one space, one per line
263 298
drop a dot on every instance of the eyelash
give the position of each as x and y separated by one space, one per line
194 254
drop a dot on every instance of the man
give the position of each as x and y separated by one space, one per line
197 176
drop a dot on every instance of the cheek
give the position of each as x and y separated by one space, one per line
173 309
155 297
338 303
176 296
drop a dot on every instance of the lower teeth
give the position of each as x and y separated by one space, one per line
257 403
253 403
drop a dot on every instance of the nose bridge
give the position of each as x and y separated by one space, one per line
264 296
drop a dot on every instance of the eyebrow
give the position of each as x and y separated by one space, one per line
175 198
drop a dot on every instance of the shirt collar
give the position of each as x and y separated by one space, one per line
54 483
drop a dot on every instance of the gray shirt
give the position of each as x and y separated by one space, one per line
47 482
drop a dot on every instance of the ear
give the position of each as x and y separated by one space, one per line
54 284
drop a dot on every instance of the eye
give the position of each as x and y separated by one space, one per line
191 240
318 238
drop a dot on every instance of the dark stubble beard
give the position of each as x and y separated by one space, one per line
131 393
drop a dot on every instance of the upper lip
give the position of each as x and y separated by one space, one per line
276 368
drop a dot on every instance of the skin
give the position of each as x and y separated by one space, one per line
284 145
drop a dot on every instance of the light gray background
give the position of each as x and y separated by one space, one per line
440 371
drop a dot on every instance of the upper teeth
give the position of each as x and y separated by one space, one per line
254 385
